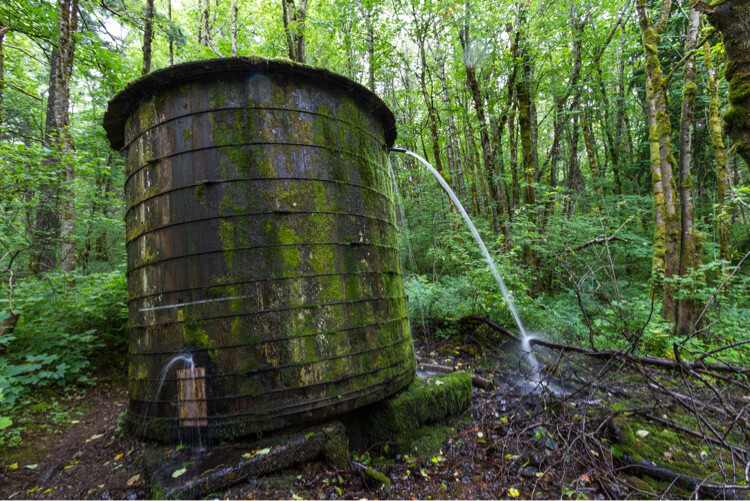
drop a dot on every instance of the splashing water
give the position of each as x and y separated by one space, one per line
528 356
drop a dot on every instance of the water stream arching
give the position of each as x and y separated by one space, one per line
528 356
189 364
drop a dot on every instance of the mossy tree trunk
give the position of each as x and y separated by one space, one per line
148 37
686 308
666 220
732 19
714 126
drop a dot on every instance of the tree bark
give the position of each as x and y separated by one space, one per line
233 34
666 221
714 126
732 19
523 93
484 137
68 26
686 308
148 37
3 31
294 28
47 222
171 40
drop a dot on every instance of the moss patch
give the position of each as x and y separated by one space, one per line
398 420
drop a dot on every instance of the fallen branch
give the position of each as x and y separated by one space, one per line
476 381
617 354
712 490
599 241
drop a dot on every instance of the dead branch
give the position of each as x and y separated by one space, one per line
599 241
616 354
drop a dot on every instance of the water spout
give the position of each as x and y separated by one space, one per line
191 399
528 356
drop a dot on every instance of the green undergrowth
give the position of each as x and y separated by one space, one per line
69 326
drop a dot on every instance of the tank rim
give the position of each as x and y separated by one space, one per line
125 101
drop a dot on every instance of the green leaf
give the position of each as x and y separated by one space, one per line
5 422
179 472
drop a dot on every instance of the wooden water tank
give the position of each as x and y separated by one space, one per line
261 243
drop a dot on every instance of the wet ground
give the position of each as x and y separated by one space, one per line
521 439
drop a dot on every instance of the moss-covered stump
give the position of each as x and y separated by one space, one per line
400 421
177 474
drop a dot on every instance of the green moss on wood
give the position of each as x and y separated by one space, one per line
398 419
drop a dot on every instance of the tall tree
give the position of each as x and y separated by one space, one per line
148 37
295 12
686 307
714 126
66 45
666 220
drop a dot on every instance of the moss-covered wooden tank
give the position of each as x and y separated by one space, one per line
261 242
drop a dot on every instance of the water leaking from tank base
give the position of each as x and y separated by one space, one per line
191 405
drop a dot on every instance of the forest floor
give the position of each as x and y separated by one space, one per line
592 432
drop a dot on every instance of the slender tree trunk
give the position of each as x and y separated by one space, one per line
574 180
68 27
233 32
732 19
171 40
294 28
3 31
47 223
714 126
666 220
588 141
686 308
489 161
148 37
523 92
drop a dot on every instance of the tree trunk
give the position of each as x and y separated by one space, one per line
148 37
666 220
686 308
484 137
171 40
523 93
714 126
732 19
233 33
294 28
588 141
3 31
68 26
47 223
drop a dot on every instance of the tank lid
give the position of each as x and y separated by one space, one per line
125 101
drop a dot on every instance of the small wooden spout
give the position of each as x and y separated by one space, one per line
191 395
